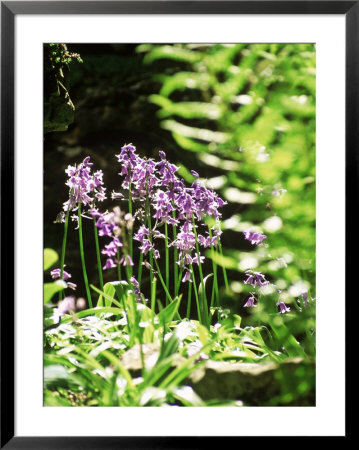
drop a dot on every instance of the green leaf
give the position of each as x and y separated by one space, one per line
55 372
109 291
203 298
168 348
203 334
192 132
117 363
108 294
50 289
187 396
94 312
167 314
183 370
187 110
171 52
50 257
147 315
285 337
185 80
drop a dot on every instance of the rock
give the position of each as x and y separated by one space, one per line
58 112
241 381
255 384
132 358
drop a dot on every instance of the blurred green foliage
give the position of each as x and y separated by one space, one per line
247 111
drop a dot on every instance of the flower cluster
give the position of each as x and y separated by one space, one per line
253 237
250 301
283 308
206 201
305 299
139 173
144 177
56 274
169 201
256 278
186 242
85 187
163 200
145 237
136 290
113 224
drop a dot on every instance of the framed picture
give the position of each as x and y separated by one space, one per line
173 182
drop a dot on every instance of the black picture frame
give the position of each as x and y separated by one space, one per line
9 10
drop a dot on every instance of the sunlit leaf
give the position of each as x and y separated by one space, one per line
50 257
50 289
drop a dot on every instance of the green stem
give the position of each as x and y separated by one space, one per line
168 295
224 269
83 257
151 253
119 274
175 250
167 258
130 242
139 273
189 299
142 355
153 294
135 326
128 270
99 265
178 282
197 250
204 303
63 250
215 294
196 295
147 206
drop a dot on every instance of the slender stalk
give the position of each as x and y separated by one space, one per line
81 243
189 298
129 325
147 206
139 273
168 295
196 295
167 256
197 250
128 270
153 294
135 317
224 269
205 303
215 295
130 242
151 253
99 265
64 240
175 251
142 354
63 250
119 274
178 282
